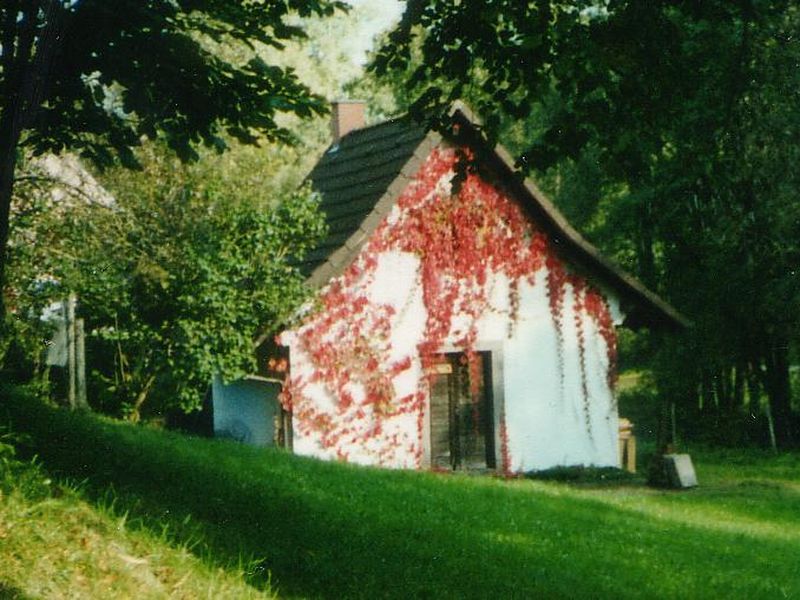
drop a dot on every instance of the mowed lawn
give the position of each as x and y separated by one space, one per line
327 530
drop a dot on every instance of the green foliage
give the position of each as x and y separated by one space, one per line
663 130
99 79
639 403
18 476
141 70
414 534
175 280
189 248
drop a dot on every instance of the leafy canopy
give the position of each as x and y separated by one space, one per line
175 279
128 69
99 77
667 128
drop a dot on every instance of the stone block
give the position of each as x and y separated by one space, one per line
680 470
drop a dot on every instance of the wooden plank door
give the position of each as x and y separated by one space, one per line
461 422
440 417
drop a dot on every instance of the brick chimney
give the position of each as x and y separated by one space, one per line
346 115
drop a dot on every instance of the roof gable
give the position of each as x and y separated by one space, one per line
361 178
358 178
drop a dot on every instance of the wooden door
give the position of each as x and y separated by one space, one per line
461 421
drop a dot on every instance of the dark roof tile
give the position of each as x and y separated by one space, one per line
354 174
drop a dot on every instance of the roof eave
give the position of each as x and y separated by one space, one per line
645 307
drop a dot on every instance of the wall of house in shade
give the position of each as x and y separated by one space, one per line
245 410
455 272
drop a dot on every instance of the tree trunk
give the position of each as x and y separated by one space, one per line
24 80
8 164
707 394
136 410
18 42
656 473
779 391
645 254
738 387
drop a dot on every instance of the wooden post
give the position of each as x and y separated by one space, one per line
80 359
627 446
630 464
71 366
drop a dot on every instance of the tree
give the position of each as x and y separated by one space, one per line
175 279
690 111
98 77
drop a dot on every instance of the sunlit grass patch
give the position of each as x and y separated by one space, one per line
54 544
334 530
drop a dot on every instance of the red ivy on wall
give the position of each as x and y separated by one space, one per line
458 238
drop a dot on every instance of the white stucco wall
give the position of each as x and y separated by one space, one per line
245 410
396 284
548 420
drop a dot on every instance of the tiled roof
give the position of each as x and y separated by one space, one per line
360 178
354 174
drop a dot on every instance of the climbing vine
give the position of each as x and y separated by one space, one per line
459 239
505 453
577 292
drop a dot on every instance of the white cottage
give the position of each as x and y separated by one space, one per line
460 323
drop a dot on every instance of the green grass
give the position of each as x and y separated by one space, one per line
54 544
335 531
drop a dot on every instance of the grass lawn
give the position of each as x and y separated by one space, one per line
332 530
55 544
60 546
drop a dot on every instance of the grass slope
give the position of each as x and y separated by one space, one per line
53 544
330 530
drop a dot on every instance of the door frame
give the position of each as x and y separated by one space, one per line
496 400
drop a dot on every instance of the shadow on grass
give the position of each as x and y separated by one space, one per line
327 530
11 593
